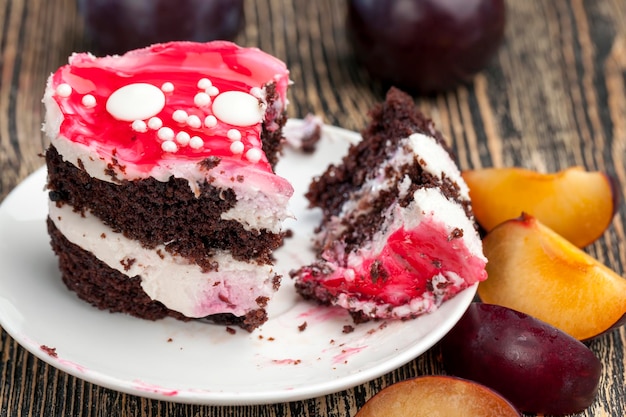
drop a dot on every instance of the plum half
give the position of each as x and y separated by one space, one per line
537 367
440 395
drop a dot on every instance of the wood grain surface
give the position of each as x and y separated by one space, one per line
554 96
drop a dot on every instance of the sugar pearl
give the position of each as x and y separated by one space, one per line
236 147
139 126
89 100
210 121
165 133
196 142
256 92
202 99
233 134
180 116
194 121
64 90
253 155
155 123
212 90
169 146
167 87
204 83
183 138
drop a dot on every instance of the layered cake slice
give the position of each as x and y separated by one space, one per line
163 197
397 236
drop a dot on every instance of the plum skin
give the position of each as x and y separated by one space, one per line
425 46
117 26
537 367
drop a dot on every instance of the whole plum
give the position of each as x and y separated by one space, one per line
116 26
425 46
537 367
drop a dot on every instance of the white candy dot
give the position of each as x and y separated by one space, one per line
196 142
183 138
155 123
253 155
64 90
204 83
202 99
237 108
210 121
194 121
256 92
236 147
233 134
180 116
139 126
212 90
167 87
138 101
169 146
165 133
89 100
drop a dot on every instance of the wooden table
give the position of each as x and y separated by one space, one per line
554 96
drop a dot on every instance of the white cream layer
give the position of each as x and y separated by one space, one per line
179 285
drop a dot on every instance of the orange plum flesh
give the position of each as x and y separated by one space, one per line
441 396
536 271
577 204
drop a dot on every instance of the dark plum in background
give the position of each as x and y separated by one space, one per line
425 46
116 26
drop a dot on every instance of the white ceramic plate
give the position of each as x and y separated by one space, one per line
197 362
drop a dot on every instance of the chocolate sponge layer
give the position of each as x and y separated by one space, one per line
154 212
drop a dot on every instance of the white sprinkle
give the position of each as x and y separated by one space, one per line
64 90
202 99
194 121
180 116
236 147
165 133
204 83
196 142
89 101
155 123
169 146
253 155
256 92
139 126
183 138
212 90
233 134
167 87
210 121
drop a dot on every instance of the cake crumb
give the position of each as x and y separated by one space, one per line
348 329
302 327
52 352
231 330
170 340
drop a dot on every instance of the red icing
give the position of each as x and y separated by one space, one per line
411 258
227 66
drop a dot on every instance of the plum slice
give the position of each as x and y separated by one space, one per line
577 204
535 270
442 396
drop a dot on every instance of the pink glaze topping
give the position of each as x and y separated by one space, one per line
177 101
411 258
